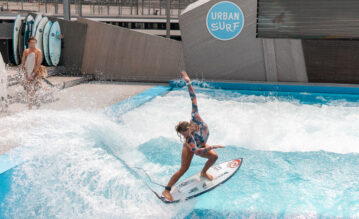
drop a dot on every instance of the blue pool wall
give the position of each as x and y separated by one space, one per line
304 94
271 87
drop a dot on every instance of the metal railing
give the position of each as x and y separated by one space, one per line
100 8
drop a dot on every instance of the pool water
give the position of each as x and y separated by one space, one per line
300 158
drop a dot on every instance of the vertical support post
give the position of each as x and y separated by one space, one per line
80 8
119 7
98 6
56 8
168 17
67 15
143 1
131 3
136 7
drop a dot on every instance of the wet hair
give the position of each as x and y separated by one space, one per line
31 38
182 127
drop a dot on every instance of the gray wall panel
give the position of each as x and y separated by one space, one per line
116 53
205 56
243 58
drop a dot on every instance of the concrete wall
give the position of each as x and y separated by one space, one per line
73 45
243 58
116 53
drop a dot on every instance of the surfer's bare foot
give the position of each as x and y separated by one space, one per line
167 195
208 176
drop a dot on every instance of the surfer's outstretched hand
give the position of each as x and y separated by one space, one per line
217 146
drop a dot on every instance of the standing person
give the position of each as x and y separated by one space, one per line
196 134
30 63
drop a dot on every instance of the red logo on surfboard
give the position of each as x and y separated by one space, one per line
234 163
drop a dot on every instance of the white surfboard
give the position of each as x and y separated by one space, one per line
3 85
55 37
15 39
20 47
36 22
45 42
29 23
196 185
29 64
39 33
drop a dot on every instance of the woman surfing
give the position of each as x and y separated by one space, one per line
196 135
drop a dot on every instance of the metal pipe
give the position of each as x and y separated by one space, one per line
119 7
67 14
131 3
168 21
142 6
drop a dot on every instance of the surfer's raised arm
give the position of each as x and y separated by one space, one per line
196 118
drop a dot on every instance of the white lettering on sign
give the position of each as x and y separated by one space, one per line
229 27
225 16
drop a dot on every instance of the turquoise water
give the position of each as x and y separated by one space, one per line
300 158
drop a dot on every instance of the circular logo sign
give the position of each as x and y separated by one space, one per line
234 163
225 20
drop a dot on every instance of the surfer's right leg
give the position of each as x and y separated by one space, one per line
186 159
212 157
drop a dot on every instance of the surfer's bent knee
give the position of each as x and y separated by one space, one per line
182 170
214 157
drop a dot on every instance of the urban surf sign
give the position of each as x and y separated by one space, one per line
225 20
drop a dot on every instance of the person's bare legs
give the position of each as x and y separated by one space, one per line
37 87
29 91
212 156
33 87
186 159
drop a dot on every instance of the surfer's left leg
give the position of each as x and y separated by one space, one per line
212 156
186 159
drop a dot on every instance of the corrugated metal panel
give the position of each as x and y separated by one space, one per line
308 19
6 30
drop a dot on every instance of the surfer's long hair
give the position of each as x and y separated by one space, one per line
182 127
